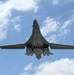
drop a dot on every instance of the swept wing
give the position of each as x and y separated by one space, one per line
14 46
60 46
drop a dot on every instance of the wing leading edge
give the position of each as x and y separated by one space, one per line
14 46
60 46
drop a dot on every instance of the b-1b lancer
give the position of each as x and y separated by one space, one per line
37 44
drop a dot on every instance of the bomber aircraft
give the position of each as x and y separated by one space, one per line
37 44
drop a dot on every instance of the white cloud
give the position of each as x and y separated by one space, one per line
50 25
4 19
15 22
65 28
28 67
24 5
69 0
58 67
24 74
3 32
6 9
53 38
56 29
55 1
17 27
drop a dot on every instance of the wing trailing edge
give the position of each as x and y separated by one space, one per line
14 46
60 46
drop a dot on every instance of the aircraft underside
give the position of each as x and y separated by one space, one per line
37 44
38 51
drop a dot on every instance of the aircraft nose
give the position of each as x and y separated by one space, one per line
35 23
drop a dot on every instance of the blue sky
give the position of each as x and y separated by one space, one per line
56 20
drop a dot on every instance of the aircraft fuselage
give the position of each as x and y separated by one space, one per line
37 44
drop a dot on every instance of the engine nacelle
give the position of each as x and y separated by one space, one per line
29 51
46 51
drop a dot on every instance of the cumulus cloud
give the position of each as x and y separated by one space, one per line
28 67
6 9
50 25
59 67
59 30
24 5
56 2
16 23
4 15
